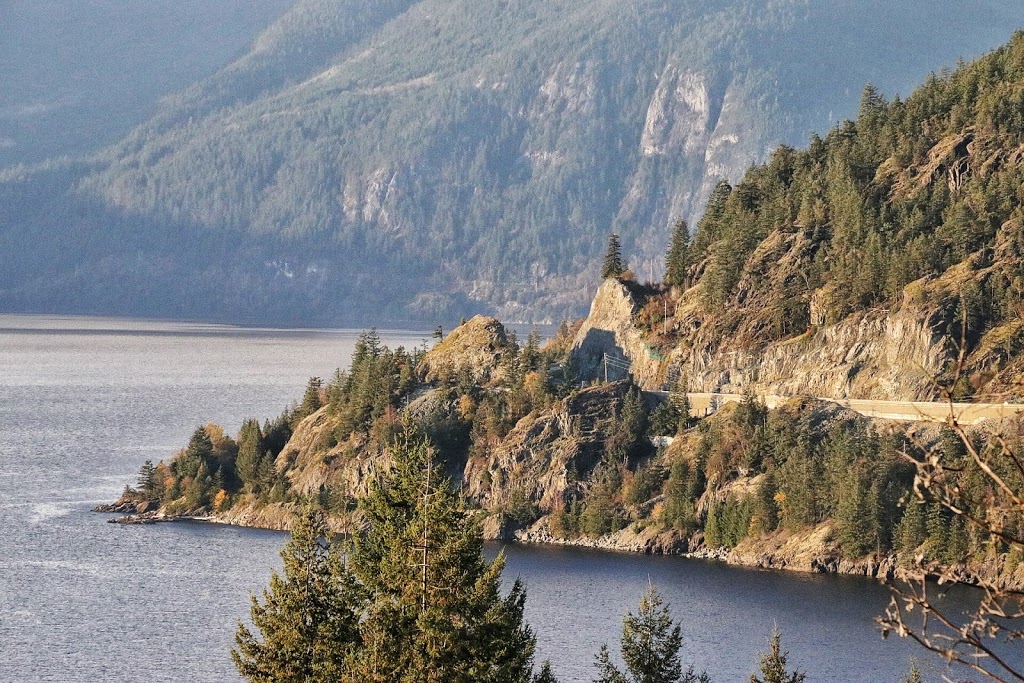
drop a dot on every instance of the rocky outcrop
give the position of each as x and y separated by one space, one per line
679 117
810 550
314 458
127 506
547 455
648 539
274 516
781 332
474 349
879 354
610 340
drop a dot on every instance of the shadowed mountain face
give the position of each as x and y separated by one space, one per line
373 160
79 75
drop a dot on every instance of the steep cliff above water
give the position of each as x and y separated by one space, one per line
548 455
577 468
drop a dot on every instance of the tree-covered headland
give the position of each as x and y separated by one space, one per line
915 199
915 206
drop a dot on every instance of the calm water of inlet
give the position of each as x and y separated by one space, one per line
84 401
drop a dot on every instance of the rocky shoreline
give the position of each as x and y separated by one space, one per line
144 513
812 550
798 554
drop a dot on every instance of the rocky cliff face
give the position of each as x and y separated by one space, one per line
314 458
548 456
610 340
878 354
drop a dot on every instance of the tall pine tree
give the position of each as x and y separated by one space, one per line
773 664
435 610
309 618
416 602
613 266
677 260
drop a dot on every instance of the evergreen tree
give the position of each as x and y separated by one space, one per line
709 227
545 674
714 526
200 489
626 437
650 648
531 356
613 265
198 452
679 510
666 420
799 482
435 610
684 409
308 620
765 513
854 519
310 400
598 516
911 531
148 484
913 676
958 543
417 601
938 531
773 664
250 444
677 260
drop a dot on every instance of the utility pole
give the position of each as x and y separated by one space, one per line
606 368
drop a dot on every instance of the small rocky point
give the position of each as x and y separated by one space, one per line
135 511
476 347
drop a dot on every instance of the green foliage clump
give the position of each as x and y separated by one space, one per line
600 514
684 487
913 675
650 644
677 260
774 663
374 386
667 419
414 600
907 190
626 440
308 620
727 523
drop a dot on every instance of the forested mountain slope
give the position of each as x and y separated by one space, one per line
878 259
77 76
423 158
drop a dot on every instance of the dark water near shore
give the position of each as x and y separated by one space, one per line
83 402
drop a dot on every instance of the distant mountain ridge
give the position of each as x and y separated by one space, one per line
421 159
77 76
